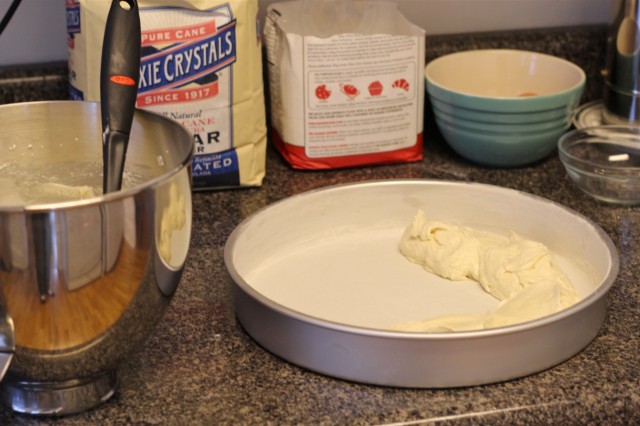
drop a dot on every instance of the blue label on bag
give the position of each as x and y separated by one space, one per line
188 62
73 17
220 169
75 94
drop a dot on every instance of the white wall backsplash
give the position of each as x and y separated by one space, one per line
37 32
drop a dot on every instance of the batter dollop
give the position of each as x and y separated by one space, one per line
519 272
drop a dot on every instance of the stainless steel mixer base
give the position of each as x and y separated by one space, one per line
53 399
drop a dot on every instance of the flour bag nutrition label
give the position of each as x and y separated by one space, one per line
346 83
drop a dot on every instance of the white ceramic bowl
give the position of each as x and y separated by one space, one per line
503 107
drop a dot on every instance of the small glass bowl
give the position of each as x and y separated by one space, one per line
604 162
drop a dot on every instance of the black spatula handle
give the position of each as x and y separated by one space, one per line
120 68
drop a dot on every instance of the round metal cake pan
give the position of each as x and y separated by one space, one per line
318 280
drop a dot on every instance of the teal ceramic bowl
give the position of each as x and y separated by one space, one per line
503 108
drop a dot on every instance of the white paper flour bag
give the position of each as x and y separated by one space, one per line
201 65
346 83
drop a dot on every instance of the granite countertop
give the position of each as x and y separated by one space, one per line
200 367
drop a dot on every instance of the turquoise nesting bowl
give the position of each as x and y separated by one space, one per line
503 108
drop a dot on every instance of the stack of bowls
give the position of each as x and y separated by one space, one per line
503 108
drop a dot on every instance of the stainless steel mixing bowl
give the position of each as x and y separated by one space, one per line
84 281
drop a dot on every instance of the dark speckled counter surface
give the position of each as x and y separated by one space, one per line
200 367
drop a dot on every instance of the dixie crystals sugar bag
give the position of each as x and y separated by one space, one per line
201 65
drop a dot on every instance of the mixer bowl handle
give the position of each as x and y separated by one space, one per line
7 338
